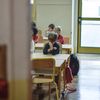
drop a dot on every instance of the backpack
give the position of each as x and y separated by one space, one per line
74 64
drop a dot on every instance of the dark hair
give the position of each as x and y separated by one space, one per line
52 37
74 64
33 24
52 26
35 30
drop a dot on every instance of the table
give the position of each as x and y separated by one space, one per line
66 48
59 63
45 39
59 58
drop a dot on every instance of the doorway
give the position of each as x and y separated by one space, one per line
88 26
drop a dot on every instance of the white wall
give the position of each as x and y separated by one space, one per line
58 12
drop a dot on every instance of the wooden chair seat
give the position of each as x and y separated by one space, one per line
42 80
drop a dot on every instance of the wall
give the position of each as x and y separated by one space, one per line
74 25
58 12
14 32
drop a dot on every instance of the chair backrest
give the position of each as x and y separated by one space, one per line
66 40
44 66
40 37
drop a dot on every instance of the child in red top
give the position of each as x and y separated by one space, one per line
60 38
35 32
50 29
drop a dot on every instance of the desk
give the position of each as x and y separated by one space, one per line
45 39
59 58
67 48
59 63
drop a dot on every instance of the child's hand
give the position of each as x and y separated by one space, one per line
51 45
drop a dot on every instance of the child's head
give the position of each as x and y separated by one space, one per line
52 37
35 31
33 24
58 30
51 27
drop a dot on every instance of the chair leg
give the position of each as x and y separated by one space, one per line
49 91
56 91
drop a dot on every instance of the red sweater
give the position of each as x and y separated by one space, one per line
35 38
60 39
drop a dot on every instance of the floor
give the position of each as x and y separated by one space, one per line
87 83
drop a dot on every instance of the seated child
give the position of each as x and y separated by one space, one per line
50 29
51 47
60 38
35 33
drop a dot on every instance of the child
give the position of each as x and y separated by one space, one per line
51 29
52 47
35 32
60 38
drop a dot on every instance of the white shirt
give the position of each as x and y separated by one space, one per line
32 46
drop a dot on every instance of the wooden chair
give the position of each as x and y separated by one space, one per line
66 40
40 37
44 72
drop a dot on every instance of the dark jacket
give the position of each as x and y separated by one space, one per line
53 52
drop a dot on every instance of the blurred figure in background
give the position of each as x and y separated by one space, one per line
60 38
50 29
40 37
34 36
34 32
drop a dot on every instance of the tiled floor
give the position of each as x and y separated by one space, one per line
88 81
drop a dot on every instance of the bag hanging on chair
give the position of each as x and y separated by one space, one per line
74 64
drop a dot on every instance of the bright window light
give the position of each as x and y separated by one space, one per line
31 1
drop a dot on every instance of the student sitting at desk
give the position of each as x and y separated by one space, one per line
50 29
60 38
52 47
35 33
